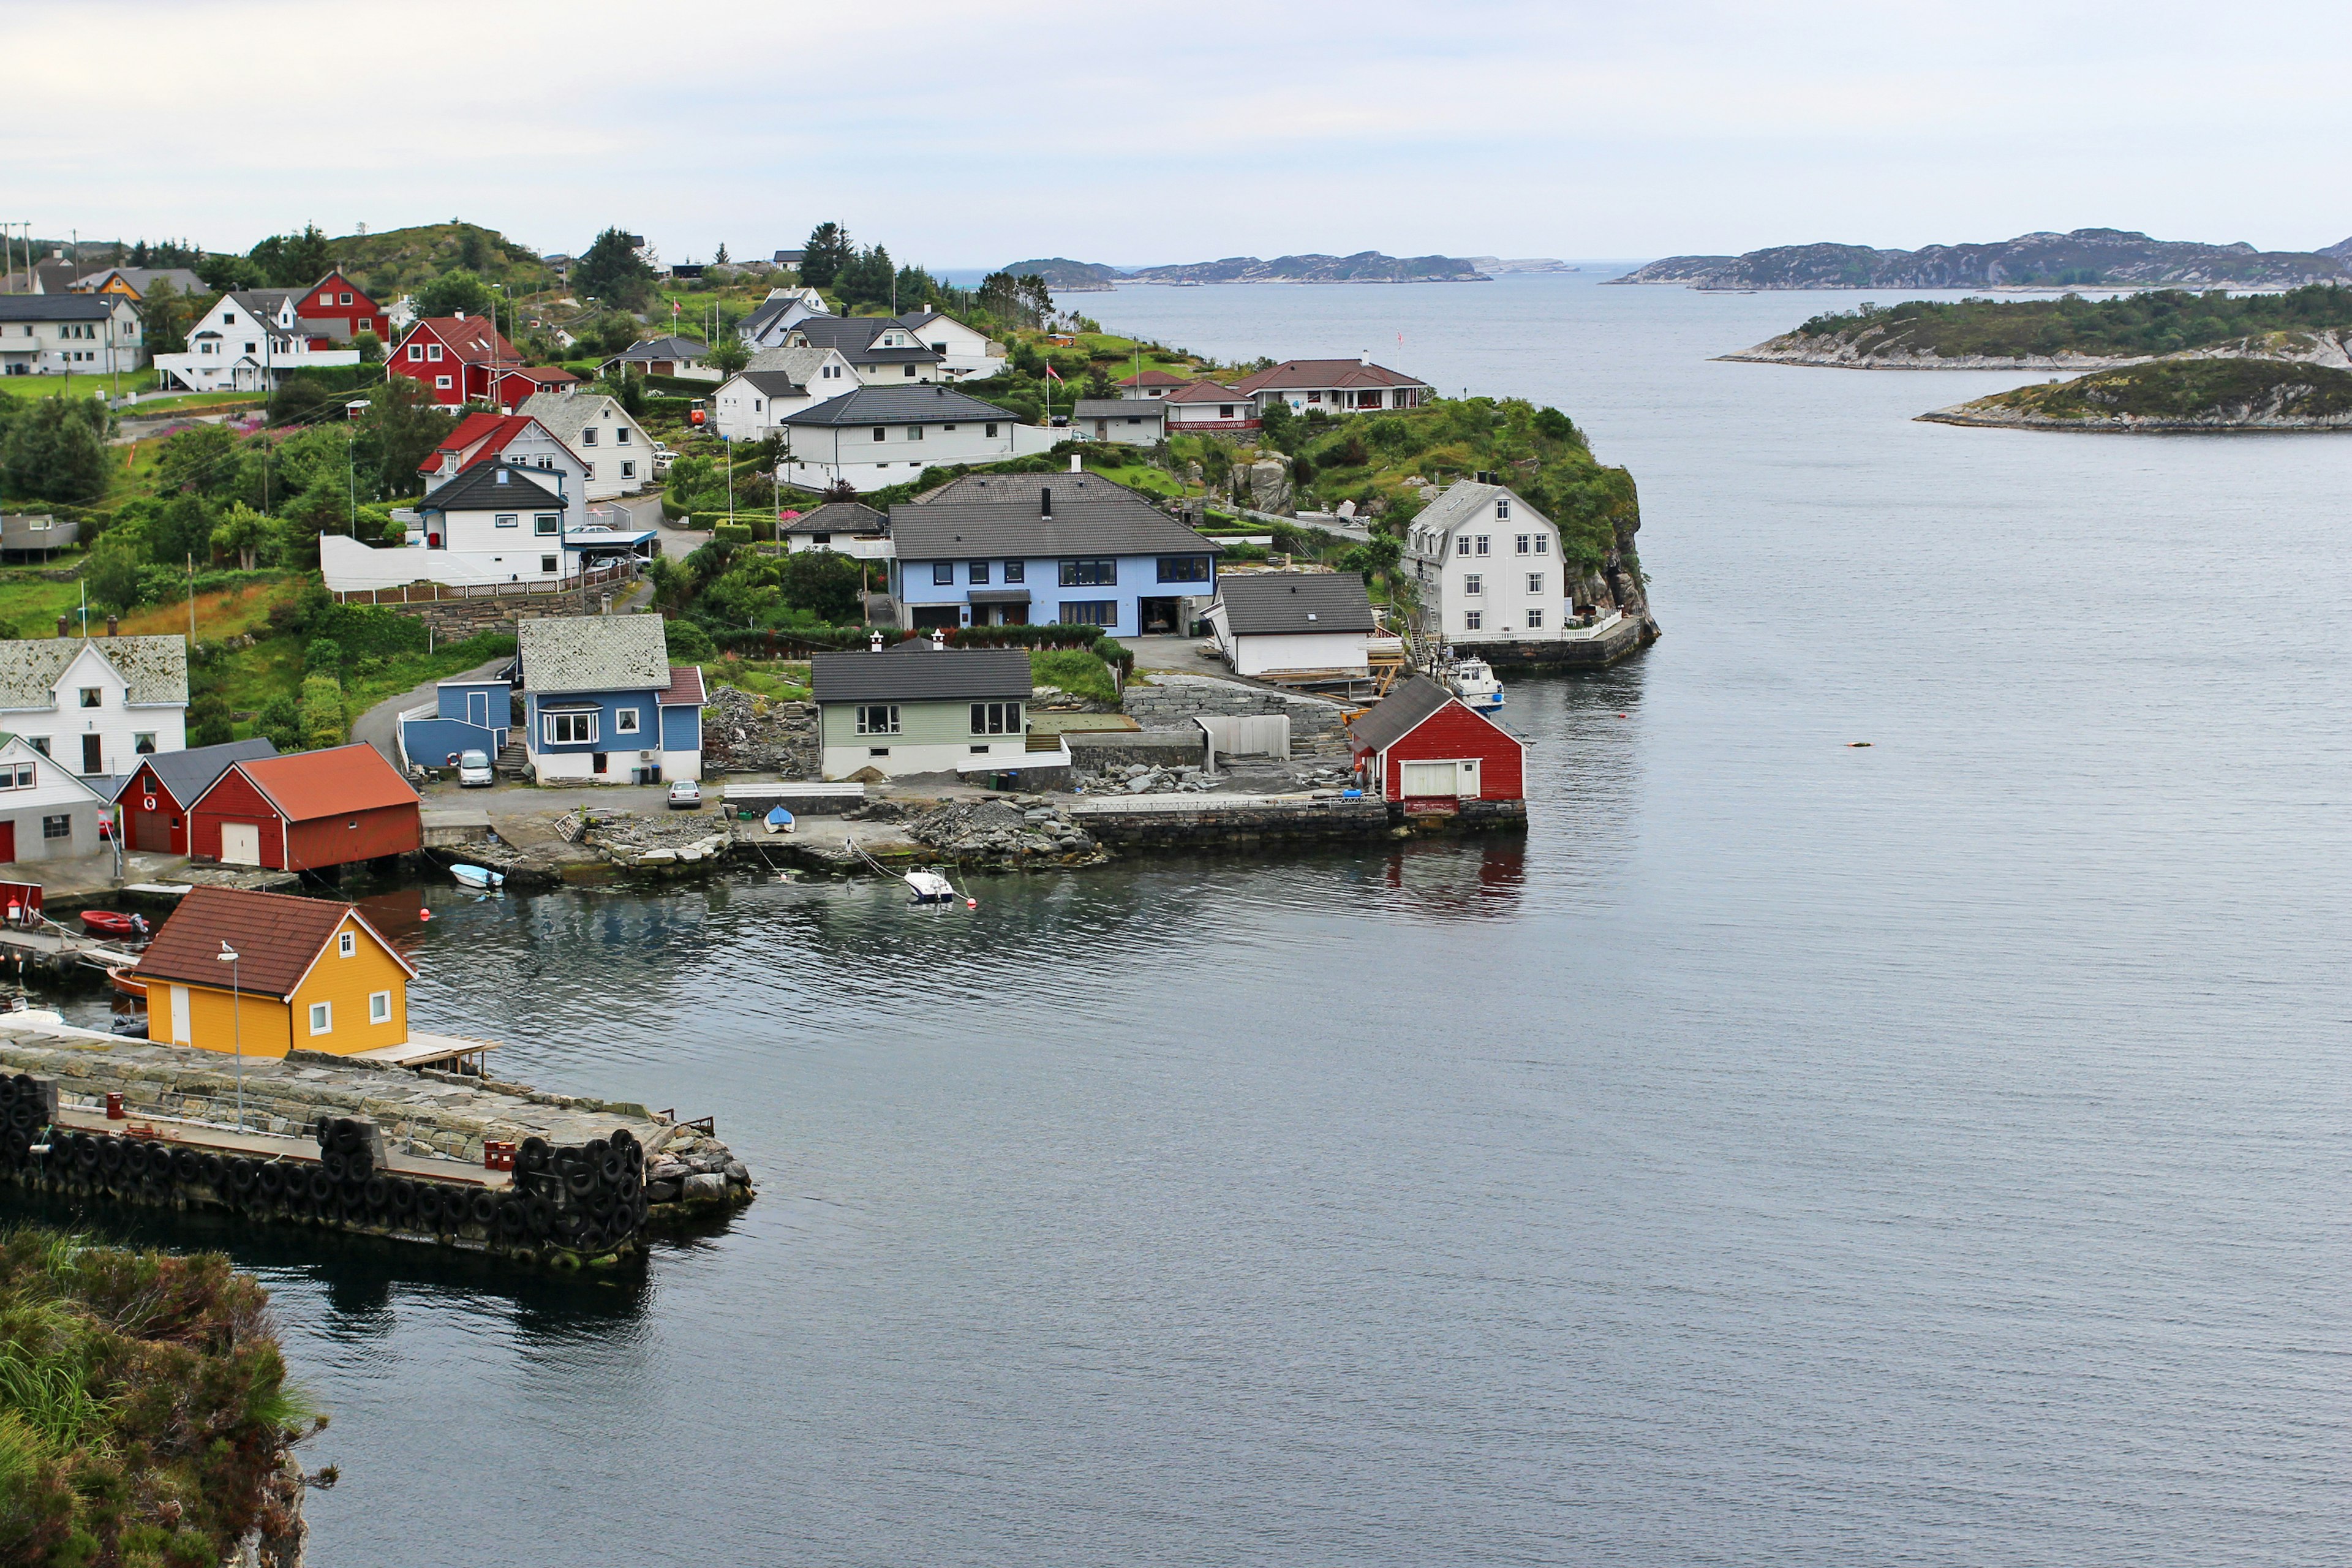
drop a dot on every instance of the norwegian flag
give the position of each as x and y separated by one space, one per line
1050 371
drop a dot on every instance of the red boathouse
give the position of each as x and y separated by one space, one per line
308 811
1423 748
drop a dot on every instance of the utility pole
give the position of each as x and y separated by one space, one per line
192 599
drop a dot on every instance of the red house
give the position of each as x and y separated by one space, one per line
456 358
1421 748
510 387
336 298
154 801
307 811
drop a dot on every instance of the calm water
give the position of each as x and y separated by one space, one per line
1791 1154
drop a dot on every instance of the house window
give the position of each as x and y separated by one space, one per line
881 432
379 1006
911 372
1474 584
342 300
625 722
39 743
547 565
1183 569
507 519
17 777
89 696
1090 612
1473 619
948 427
1224 411
1526 544
546 523
992 430
621 436
1462 545
571 729
322 1017
1483 540
877 719
877 751
1535 620
588 437
432 352
942 572
978 572
996 717
1016 570
1535 581
1089 573
346 943
57 826
914 432
628 468
143 742
1502 510
1543 544
442 382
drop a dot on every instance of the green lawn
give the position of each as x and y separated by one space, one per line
1073 670
195 400
83 385
30 606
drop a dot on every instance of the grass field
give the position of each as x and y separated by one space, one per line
82 385
30 604
187 400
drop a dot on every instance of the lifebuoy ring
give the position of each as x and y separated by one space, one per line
148 803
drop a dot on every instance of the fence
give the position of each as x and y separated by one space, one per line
587 582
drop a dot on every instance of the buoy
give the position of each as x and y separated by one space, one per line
972 903
424 914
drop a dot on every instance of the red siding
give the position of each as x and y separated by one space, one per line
350 836
133 802
234 799
363 313
1454 733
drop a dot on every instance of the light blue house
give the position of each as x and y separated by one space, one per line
474 714
602 705
1032 549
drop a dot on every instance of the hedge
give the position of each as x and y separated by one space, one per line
799 643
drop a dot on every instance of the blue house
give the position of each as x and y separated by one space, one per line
468 715
602 705
1016 549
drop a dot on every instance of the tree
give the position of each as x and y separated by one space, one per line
242 533
824 255
824 583
729 354
222 273
201 458
293 260
112 572
164 317
866 279
473 250
611 271
182 528
399 430
57 451
453 292
689 642
1277 424
280 720
721 258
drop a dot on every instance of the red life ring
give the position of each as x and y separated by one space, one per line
150 803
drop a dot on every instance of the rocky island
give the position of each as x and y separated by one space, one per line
2187 395
1364 266
2087 257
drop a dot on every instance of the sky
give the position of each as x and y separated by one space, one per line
972 135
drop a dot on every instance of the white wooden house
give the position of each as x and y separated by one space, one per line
251 340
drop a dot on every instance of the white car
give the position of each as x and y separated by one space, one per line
686 795
474 771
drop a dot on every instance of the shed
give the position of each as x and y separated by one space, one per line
153 799
310 974
307 811
1425 748
1294 623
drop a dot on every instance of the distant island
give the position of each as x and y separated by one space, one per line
2087 258
2312 324
1067 277
2188 394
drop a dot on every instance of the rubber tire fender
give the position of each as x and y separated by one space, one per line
272 1180
540 1214
483 1207
321 1186
428 1205
403 1195
581 1182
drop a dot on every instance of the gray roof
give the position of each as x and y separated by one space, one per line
1267 604
663 348
800 364
1004 514
58 306
855 335
927 403
154 670
566 416
838 516
1464 499
1395 716
1148 409
774 383
917 672
594 653
487 487
189 773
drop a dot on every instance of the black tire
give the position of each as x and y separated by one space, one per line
636 1159
581 1182
111 1156
272 1180
569 1226
379 1195
334 1164
512 1222
613 1169
322 1129
8 1091
320 1186
603 1207
85 1152
24 1115
539 1216
482 1208
352 1207
212 1168
242 1175
428 1205
532 1154
403 1195
187 1165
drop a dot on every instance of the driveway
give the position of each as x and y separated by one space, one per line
378 724
1175 653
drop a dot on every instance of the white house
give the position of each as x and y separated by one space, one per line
60 334
1125 421
781 310
510 517
516 438
964 352
877 437
751 405
45 813
1207 408
844 527
96 704
884 351
1271 623
618 452
1336 385
251 340
1489 568
688 358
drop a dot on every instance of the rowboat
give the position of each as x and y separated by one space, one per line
478 877
779 821
109 923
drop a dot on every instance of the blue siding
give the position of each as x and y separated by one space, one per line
681 730
609 735
432 742
1138 579
453 700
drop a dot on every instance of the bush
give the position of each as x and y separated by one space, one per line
690 644
280 722
731 532
324 722
1074 671
323 656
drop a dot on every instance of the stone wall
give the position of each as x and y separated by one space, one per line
1209 821
457 619
1092 750
1317 727
744 733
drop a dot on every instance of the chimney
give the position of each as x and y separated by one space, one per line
1073 464
1365 357
873 638
65 624
110 624
1044 500
459 314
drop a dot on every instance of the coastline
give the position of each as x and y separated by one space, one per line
1762 353
2134 424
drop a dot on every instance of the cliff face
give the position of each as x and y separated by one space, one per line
2087 257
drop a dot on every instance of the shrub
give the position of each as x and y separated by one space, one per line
1074 671
323 723
732 532
323 656
690 644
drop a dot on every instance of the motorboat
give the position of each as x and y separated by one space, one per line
1473 680
113 923
779 821
478 877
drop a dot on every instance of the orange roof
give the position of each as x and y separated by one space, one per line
307 784
277 937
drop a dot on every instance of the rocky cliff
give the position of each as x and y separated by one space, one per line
2187 394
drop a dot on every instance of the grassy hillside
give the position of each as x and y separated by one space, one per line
398 260
2216 393
2132 326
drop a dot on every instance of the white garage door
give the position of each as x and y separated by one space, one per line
240 844
1424 779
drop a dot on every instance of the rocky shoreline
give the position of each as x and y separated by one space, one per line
1843 355
2133 424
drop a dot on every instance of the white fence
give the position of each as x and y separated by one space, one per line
1247 735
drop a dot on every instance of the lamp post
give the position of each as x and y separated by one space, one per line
228 955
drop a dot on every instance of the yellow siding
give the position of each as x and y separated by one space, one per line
346 983
217 1025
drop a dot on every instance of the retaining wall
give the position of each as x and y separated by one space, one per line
1317 727
1092 750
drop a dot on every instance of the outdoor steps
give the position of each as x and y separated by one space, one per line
511 759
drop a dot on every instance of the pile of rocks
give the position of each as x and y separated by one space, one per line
743 733
1022 830
687 1165
1272 778
630 838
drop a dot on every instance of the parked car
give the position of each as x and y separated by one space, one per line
686 795
474 771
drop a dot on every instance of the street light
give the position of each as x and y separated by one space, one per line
228 955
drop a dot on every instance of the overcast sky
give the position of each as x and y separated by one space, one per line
973 135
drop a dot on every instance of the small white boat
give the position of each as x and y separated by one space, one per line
478 877
931 888
1474 681
779 821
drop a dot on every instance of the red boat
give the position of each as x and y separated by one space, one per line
108 922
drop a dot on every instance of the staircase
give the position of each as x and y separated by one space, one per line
511 759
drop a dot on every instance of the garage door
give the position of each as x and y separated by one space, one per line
240 844
151 830
1423 780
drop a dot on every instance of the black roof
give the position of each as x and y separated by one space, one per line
855 335
58 306
838 516
1150 408
1395 716
189 773
774 383
916 672
926 404
1006 516
1262 603
485 486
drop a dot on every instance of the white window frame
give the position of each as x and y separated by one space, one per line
1535 581
1474 584
890 716
1474 620
625 720
583 719
322 1019
346 943
379 1006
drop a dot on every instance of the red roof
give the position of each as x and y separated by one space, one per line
685 688
304 785
542 375
276 936
487 435
1205 392
1324 373
471 338
1154 378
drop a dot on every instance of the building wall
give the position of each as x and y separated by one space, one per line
133 803
117 724
361 315
466 381
26 811
681 743
430 742
1442 565
621 752
222 1020
517 546
817 453
1130 430
1138 579
235 800
347 838
933 737
1309 650
345 984
81 348
1455 733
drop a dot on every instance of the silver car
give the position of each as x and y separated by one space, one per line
474 771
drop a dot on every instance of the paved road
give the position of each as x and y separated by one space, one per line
376 725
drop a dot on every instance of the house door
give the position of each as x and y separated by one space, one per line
477 709
1421 781
7 841
240 844
151 830
93 753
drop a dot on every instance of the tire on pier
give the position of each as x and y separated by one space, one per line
513 1221
539 1216
428 1205
402 1194
482 1207
243 1174
271 1181
320 1186
534 1154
